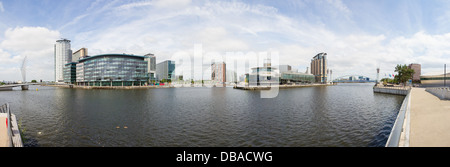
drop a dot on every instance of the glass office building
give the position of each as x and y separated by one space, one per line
296 77
70 72
112 70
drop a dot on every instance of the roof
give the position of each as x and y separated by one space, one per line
96 56
434 74
71 63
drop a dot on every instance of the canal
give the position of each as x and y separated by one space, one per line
341 115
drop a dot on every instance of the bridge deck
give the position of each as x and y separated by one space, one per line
13 85
430 120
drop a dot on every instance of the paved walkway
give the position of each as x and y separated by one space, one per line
430 120
3 132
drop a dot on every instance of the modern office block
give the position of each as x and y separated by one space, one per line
112 70
79 54
165 70
151 67
70 73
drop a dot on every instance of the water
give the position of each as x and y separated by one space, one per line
341 115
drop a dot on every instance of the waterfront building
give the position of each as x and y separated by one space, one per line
319 67
79 73
417 71
265 75
289 77
218 72
62 55
112 70
435 79
70 73
79 54
151 67
165 70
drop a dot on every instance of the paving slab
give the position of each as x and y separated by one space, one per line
430 120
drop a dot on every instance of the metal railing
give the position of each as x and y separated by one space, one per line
5 109
394 139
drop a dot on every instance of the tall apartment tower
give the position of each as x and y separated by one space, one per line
319 67
151 66
218 72
63 55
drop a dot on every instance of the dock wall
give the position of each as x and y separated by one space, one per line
399 136
392 90
441 93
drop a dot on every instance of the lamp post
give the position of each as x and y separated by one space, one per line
445 74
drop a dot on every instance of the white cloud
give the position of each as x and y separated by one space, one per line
28 39
171 3
34 42
163 4
2 9
168 27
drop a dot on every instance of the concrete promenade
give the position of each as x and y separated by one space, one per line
429 120
3 131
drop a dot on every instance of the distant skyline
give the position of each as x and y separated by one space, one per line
358 36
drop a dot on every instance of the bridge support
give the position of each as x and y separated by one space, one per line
24 87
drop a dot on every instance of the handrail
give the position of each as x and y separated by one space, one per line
397 129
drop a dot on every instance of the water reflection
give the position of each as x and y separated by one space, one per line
342 115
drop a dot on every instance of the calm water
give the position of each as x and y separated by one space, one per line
341 115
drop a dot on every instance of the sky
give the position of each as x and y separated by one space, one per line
357 35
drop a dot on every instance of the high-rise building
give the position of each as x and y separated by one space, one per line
63 55
165 70
151 66
79 54
218 72
417 71
319 67
231 76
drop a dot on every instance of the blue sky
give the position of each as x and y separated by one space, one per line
358 35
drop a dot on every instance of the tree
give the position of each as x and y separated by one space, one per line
404 73
33 81
386 81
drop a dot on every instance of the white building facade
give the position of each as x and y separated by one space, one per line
63 55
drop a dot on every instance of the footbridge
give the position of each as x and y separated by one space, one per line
24 86
353 79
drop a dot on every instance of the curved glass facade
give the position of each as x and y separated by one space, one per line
112 70
287 77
